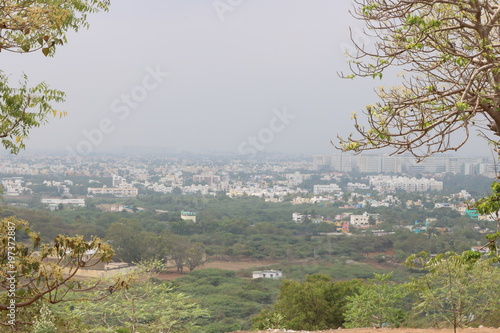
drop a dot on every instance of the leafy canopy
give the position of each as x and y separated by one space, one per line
38 271
449 53
458 290
378 304
30 26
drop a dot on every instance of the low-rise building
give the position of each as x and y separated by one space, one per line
267 274
320 189
54 203
363 221
190 216
117 192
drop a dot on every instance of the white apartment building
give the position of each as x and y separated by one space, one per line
332 188
117 192
362 221
370 164
391 183
357 186
119 181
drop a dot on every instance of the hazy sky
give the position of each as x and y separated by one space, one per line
225 75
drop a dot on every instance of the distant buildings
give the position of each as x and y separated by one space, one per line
345 162
298 218
55 203
13 186
207 179
119 181
321 189
117 192
357 186
391 183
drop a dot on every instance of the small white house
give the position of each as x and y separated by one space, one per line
268 274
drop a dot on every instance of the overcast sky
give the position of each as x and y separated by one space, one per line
203 75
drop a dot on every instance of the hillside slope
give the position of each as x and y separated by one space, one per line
385 330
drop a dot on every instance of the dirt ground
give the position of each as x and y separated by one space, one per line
226 265
386 330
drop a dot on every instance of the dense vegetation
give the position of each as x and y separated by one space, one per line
251 228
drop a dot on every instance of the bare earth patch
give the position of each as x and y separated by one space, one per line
235 265
386 330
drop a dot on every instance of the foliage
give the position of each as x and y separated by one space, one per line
268 319
378 304
458 290
148 306
33 271
132 244
491 206
16 108
28 26
450 50
318 303
45 322
232 301
195 256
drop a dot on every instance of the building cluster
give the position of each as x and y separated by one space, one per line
300 181
14 186
120 189
345 162
331 189
343 222
119 192
392 184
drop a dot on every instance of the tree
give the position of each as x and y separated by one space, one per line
195 256
177 250
450 50
148 306
184 253
29 26
491 206
131 243
316 304
31 271
378 304
459 289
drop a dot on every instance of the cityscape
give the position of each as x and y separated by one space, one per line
231 166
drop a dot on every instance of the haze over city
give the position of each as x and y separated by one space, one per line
205 76
190 179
